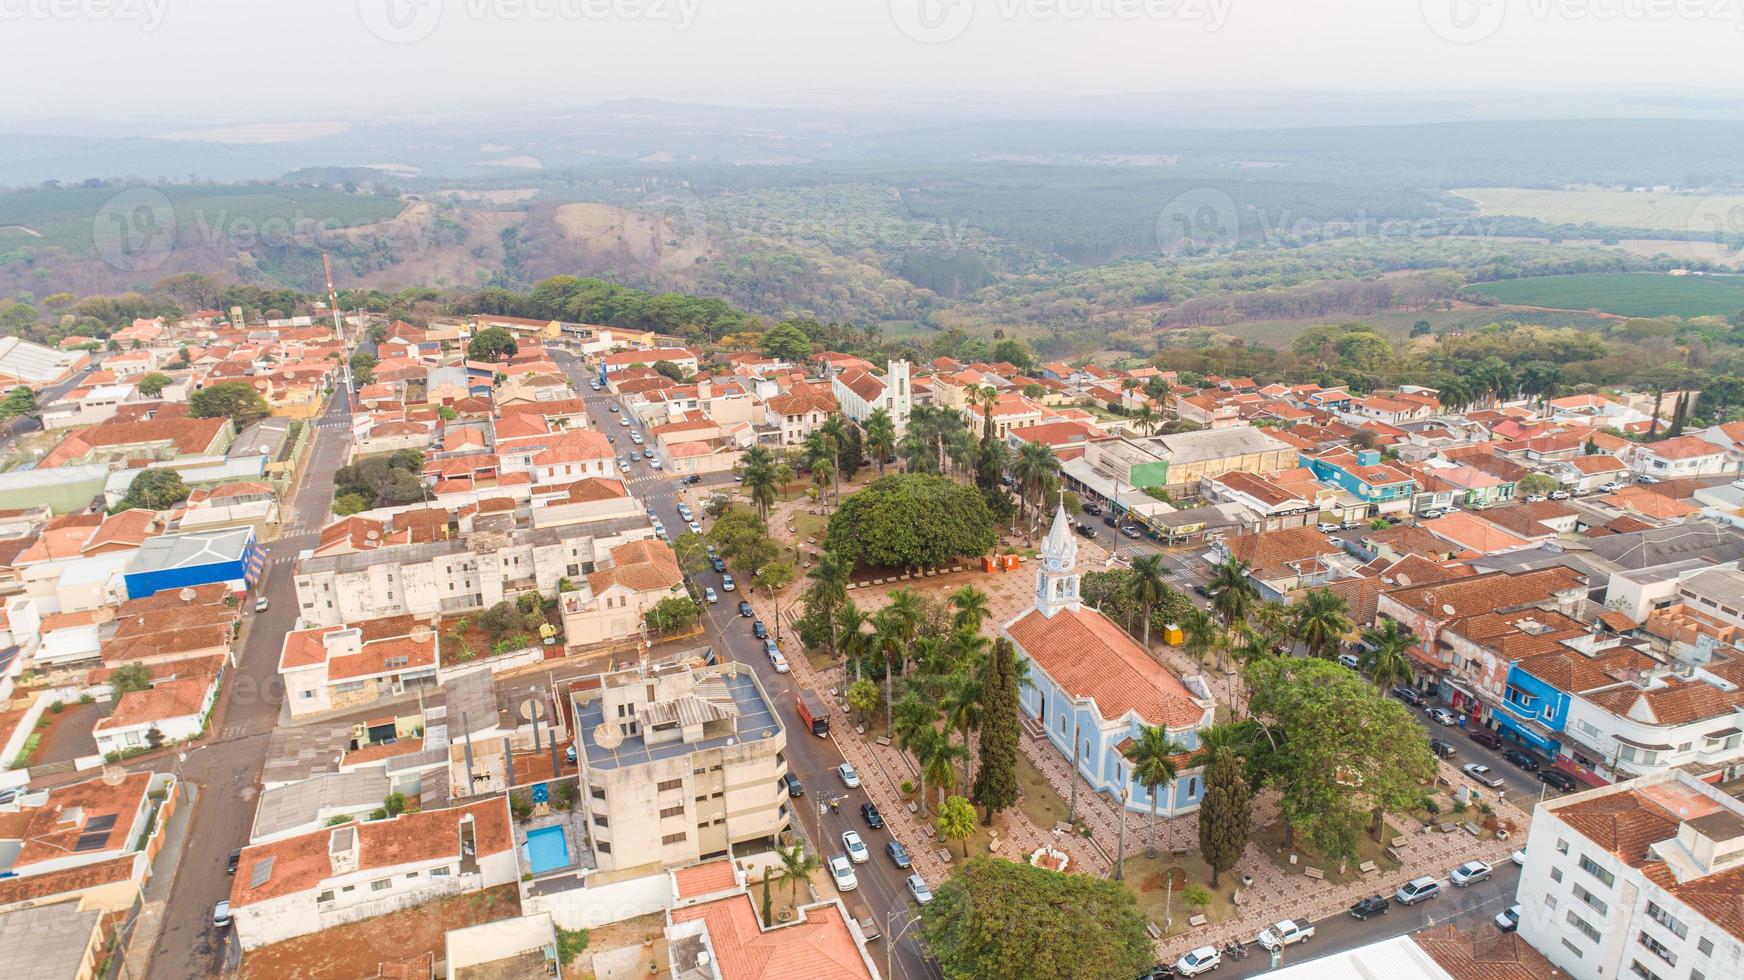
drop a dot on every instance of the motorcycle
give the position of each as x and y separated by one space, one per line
1235 950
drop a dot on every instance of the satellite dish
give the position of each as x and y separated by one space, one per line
1446 608
533 709
114 775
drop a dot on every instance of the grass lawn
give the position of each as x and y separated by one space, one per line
1037 797
1147 878
1271 841
1627 293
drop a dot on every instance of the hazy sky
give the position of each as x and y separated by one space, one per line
231 60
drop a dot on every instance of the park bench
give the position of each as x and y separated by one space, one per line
1196 921
1315 873
1151 927
1366 867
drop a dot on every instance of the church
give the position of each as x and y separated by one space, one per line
1088 678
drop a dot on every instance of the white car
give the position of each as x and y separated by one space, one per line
855 847
1559 495
842 871
221 914
1611 487
726 580
653 463
1518 857
1349 660
1508 919
1198 961
636 437
1535 498
1469 873
261 603
850 778
623 422
709 594
917 887
1325 528
1482 774
778 660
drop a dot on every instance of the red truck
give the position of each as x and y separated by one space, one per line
813 714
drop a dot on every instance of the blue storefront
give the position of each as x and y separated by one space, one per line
1533 712
175 561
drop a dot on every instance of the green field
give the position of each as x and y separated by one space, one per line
1680 214
71 218
1396 325
1625 293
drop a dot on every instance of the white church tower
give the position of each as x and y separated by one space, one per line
1057 573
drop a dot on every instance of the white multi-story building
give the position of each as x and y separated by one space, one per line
860 393
1644 879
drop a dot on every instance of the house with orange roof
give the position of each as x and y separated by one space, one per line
713 930
336 667
1585 474
1425 609
609 603
1093 688
1680 457
859 393
1472 536
231 504
166 712
303 884
90 842
798 412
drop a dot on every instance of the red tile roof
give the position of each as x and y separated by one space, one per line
705 879
1089 656
820 947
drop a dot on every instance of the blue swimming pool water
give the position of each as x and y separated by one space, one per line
546 849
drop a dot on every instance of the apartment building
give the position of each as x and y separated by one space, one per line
1640 880
458 575
333 667
678 765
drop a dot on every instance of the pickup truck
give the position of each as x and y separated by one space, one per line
1286 933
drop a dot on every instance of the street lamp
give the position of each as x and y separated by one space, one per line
891 940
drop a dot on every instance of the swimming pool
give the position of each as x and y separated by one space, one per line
546 849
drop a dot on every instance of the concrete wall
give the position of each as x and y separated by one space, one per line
592 906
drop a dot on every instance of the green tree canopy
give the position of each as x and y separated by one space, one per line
672 614
234 400
786 342
18 401
1006 919
492 344
155 489
153 384
910 520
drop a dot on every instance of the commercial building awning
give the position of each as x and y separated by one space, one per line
1526 734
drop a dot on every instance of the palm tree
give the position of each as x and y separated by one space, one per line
938 764
852 641
797 864
822 472
1146 419
759 474
971 606
1232 593
1385 659
1152 755
1148 588
880 435
1322 619
829 590
905 608
1035 462
1199 631
963 705
835 435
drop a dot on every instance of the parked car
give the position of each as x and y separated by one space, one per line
653 463
1442 749
1646 480
1430 515
1090 509
850 778
1469 873
1201 591
1535 498
1558 779
635 455
842 871
745 609
709 594
1485 738
1559 495
613 409
794 786
1611 487
1110 520
1131 532
221 914
623 462
855 847
1482 774
1198 961
1368 907
1408 695
1349 660
1508 919
1521 758
759 631
874 819
1518 857
1286 933
1441 716
719 566
261 603
1417 890
898 854
917 887
235 859
726 580
778 660
1086 530
1325 528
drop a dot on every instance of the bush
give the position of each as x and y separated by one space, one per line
520 806
1197 896
570 943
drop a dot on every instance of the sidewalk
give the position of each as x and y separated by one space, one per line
162 876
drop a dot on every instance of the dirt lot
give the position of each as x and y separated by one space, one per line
357 950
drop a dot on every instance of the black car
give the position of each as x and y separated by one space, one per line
1110 521
794 786
874 819
898 854
691 480
1557 778
1086 530
1371 906
1090 509
1442 749
759 631
1485 738
1201 591
1409 695
1521 758
745 609
235 859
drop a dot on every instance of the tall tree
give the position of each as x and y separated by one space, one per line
970 604
880 436
234 400
829 590
1385 658
957 821
1199 631
492 344
1148 588
996 780
797 864
964 705
1006 919
1034 465
1322 620
1152 755
1225 812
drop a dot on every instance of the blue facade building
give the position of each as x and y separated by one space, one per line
174 561
1362 474
1092 685
1533 710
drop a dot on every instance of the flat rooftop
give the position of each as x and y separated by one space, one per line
756 721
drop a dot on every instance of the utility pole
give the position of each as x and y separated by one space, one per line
1120 850
1072 809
